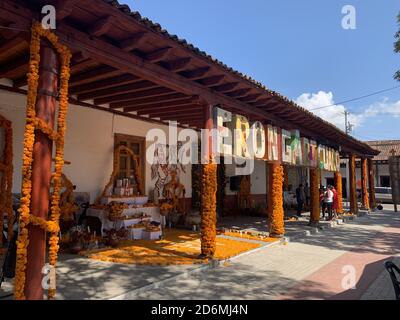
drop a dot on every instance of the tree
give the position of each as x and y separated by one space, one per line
397 46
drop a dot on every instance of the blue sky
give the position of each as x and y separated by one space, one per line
300 49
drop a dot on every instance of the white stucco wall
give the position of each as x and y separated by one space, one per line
89 144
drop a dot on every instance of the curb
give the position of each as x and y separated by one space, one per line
213 264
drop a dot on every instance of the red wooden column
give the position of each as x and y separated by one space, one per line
371 184
276 181
353 191
315 211
41 171
208 191
275 200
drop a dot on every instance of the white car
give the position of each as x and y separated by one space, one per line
383 194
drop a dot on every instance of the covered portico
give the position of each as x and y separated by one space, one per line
127 66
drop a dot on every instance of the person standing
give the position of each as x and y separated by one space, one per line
322 200
335 204
300 198
328 199
307 193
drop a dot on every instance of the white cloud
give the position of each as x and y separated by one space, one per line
385 108
335 113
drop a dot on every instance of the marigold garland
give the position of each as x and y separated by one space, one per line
208 210
339 190
352 178
32 123
314 194
67 202
276 214
116 169
371 182
6 167
364 188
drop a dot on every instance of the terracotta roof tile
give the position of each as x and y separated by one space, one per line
385 147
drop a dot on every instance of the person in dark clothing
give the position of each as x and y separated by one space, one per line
300 198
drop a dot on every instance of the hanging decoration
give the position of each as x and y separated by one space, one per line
276 214
6 170
208 210
32 123
116 169
67 201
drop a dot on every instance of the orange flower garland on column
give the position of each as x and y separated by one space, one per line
209 210
276 213
339 190
371 183
314 194
352 177
364 173
6 167
32 123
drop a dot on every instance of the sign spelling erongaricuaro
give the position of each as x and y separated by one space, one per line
238 138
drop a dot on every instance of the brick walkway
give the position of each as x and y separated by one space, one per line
311 267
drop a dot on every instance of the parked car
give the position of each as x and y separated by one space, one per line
383 194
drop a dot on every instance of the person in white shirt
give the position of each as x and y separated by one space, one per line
328 199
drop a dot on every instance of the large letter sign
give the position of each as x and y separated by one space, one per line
224 139
272 141
286 148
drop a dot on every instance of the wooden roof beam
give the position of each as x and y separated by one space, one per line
157 55
239 93
173 110
12 32
226 87
104 84
176 65
92 75
173 116
13 68
100 27
128 88
136 95
187 119
11 43
162 105
64 8
183 108
196 73
79 57
148 100
212 80
133 42
251 98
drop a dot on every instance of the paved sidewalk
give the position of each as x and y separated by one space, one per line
309 268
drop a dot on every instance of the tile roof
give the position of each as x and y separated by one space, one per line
157 28
385 147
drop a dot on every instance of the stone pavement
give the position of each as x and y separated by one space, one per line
312 267
308 267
